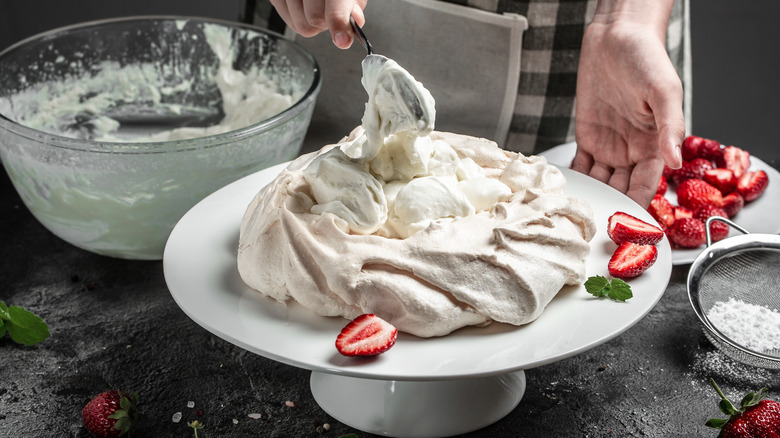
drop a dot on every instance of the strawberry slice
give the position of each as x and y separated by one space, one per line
752 184
623 227
732 204
682 212
661 210
736 159
694 193
631 259
723 179
687 233
366 335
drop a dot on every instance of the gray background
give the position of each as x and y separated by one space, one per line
735 56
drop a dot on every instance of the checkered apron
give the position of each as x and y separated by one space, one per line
544 111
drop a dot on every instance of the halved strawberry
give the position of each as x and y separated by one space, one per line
622 227
718 230
661 210
687 233
694 193
723 179
732 204
366 335
663 185
631 259
736 159
682 212
752 184
693 169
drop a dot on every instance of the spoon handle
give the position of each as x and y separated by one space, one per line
361 36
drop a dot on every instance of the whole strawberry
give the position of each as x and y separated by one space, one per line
693 193
111 414
756 416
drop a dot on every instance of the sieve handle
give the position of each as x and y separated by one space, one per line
724 220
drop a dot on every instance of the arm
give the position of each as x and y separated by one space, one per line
629 116
310 17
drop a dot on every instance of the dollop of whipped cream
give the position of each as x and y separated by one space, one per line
431 231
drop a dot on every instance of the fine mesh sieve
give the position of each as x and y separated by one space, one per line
745 267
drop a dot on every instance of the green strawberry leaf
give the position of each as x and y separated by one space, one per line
716 423
122 424
120 413
615 289
24 326
727 407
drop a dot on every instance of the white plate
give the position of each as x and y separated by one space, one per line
756 217
200 270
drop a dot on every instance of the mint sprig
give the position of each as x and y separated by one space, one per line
24 326
616 289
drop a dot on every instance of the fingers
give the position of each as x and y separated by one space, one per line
336 15
644 182
639 182
670 138
666 104
310 17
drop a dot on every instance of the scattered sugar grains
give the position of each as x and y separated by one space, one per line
753 326
714 364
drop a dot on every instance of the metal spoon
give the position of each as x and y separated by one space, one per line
366 43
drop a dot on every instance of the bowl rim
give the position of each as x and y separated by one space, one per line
197 143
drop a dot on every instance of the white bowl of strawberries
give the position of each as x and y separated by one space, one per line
714 180
756 215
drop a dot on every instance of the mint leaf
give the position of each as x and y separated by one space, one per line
619 290
2 328
615 289
24 326
3 311
597 286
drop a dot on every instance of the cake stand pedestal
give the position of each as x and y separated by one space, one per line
409 408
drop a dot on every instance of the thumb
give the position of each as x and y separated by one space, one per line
337 15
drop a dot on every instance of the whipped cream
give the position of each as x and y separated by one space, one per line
431 231
92 102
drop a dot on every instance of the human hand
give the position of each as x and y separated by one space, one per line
629 116
310 17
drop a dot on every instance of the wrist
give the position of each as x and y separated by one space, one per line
652 14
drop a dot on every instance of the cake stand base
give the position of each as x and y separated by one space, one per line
418 408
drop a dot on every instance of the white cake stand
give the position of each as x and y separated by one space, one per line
421 387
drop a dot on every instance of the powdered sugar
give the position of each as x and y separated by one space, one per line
752 326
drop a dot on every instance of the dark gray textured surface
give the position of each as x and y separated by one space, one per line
114 325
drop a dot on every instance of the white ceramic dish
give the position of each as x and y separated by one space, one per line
200 270
753 217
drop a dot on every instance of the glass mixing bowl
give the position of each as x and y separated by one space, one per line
97 122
